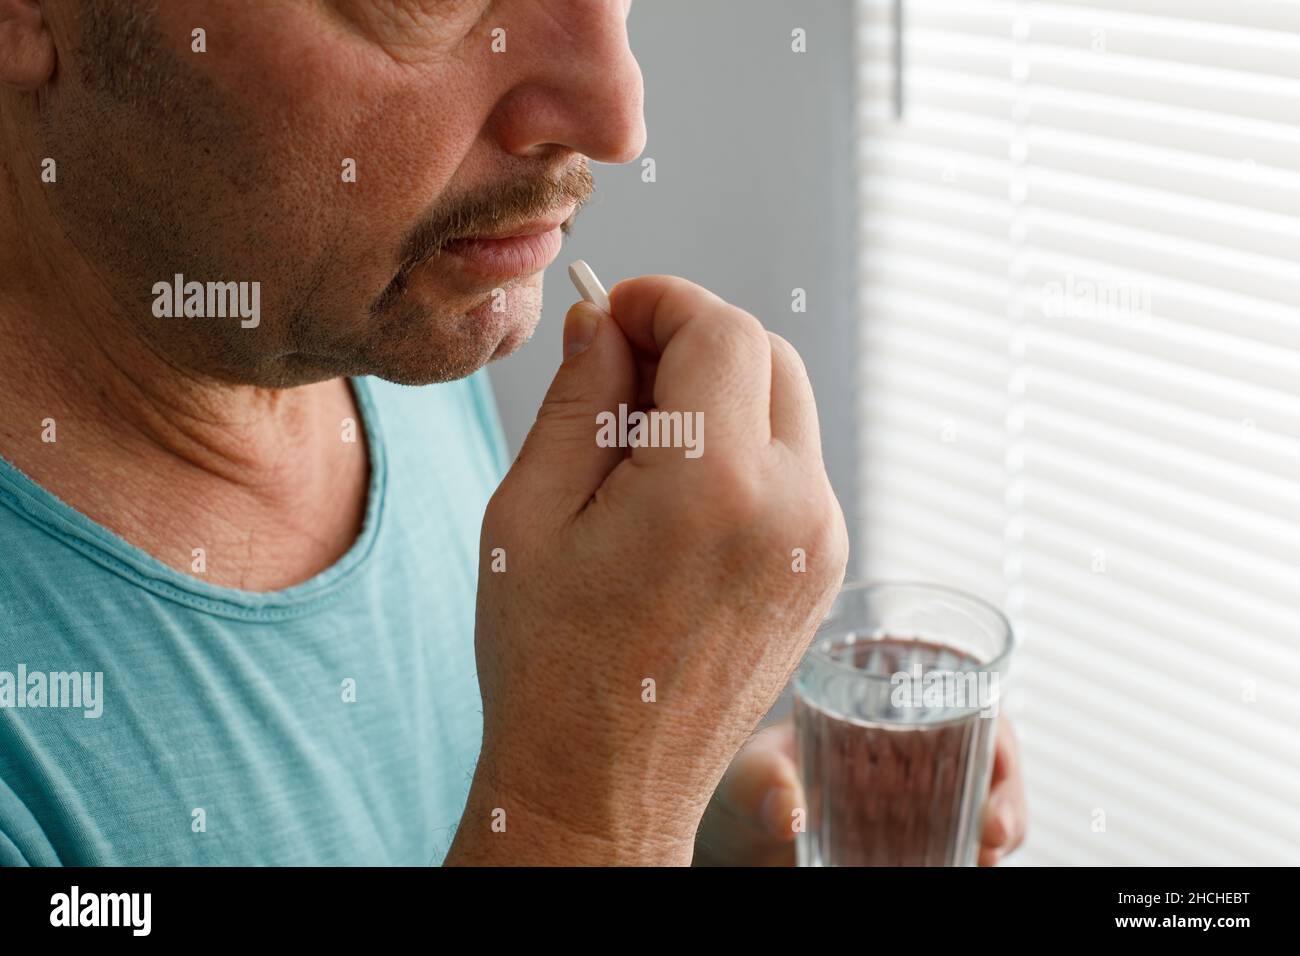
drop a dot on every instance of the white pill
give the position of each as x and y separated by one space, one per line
589 286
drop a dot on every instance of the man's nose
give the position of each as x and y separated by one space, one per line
580 87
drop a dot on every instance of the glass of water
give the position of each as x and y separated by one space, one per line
896 709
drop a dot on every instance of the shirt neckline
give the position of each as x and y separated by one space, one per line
96 542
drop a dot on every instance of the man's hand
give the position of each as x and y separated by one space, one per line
748 822
640 610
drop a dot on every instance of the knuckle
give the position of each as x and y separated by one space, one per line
782 347
730 328
787 354
560 407
737 491
746 322
744 327
499 513
828 535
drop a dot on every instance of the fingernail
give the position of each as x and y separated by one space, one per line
777 809
579 329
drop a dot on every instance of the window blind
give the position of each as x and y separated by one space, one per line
1080 393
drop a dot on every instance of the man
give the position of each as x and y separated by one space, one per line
231 236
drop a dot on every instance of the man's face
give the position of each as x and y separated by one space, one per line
460 118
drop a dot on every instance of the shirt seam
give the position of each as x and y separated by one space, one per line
49 521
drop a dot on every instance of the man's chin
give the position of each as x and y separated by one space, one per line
436 356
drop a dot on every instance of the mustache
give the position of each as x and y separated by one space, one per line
488 210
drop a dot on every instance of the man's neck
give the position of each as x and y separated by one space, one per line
269 483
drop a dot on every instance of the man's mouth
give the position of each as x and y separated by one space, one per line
518 250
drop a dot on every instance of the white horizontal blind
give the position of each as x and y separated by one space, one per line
1080 387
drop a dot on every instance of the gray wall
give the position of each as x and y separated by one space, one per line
755 194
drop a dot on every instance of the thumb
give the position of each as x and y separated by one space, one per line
560 458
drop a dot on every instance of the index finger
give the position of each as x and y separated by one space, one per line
713 357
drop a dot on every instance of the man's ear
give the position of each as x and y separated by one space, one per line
26 46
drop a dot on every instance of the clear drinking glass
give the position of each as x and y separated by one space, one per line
895 711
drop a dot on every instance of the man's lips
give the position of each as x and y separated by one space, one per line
520 250
533 227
